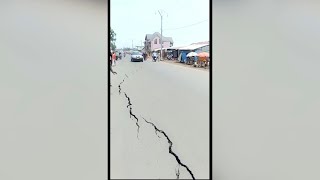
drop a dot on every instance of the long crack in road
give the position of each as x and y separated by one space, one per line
120 85
133 115
157 131
129 106
170 149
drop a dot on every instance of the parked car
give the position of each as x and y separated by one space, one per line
136 56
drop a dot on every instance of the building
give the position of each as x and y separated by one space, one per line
152 42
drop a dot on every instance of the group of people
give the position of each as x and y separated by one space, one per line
114 57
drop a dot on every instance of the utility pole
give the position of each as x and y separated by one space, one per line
161 36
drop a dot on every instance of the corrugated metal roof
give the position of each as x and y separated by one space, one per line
158 49
203 42
189 47
176 47
193 46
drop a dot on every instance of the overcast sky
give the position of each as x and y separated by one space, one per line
133 19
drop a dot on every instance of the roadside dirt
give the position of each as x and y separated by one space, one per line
183 64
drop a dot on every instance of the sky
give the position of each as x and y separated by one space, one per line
133 19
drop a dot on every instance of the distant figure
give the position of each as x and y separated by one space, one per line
144 55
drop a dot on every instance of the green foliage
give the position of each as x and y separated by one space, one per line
113 39
113 46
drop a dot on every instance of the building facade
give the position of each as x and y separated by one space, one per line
152 42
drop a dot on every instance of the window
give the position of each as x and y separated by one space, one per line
156 41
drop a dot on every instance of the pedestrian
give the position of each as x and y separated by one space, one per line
110 66
114 56
144 55
110 58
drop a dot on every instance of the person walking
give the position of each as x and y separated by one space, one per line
144 56
110 58
114 56
110 66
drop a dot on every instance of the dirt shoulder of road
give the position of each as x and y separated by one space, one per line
185 65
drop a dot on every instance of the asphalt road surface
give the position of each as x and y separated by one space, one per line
159 121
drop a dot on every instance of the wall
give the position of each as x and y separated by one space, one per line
158 45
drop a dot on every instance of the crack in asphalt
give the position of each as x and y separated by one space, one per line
133 115
129 105
120 86
170 148
178 172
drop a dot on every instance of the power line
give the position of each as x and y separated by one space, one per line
188 25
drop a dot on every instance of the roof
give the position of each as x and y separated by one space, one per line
158 49
203 42
193 46
152 36
176 47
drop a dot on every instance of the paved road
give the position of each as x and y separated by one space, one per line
159 121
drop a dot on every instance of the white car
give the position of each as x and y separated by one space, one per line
136 56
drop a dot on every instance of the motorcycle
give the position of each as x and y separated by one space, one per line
169 57
154 58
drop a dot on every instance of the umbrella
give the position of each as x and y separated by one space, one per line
203 54
191 54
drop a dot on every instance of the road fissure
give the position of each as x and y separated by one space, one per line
177 171
170 149
132 115
120 86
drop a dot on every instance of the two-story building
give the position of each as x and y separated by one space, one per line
152 42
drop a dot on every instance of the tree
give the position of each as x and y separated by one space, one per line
113 39
113 46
